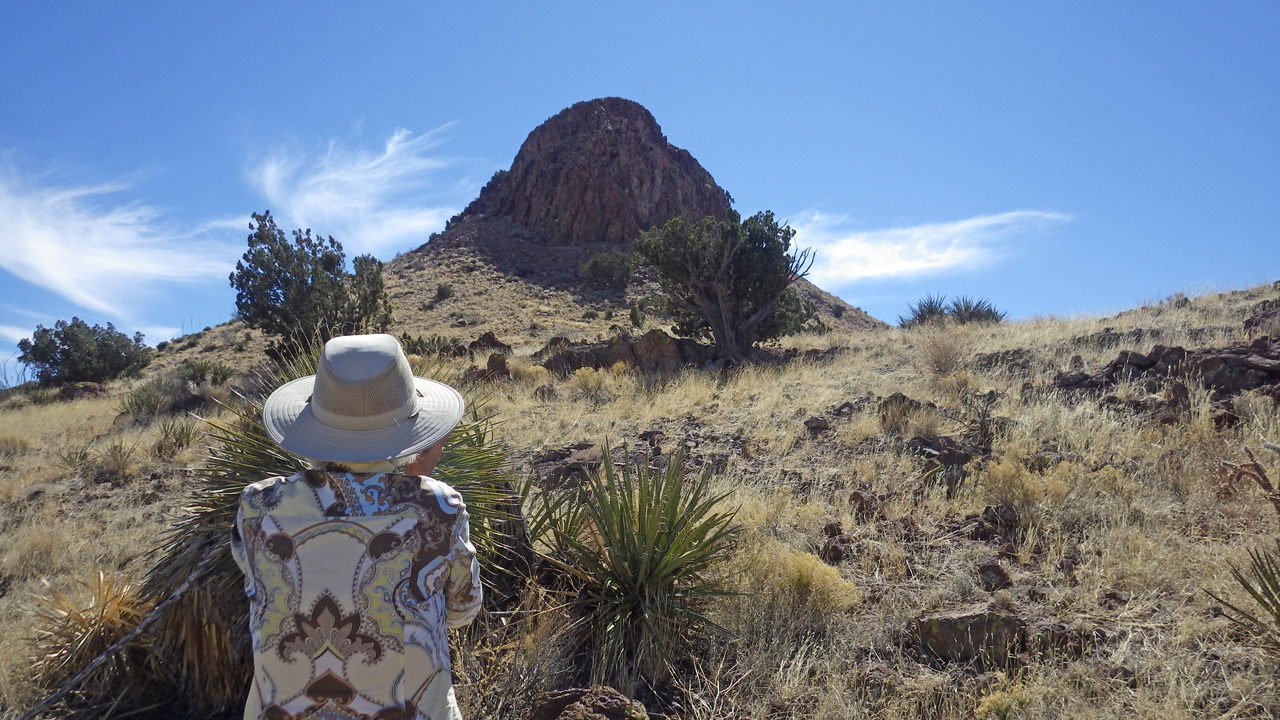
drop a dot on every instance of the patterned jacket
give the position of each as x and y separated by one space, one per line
353 580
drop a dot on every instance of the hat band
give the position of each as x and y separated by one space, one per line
365 422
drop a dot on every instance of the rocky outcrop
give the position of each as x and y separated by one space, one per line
594 703
653 351
600 171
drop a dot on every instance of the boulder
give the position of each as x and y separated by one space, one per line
593 703
992 575
489 342
75 391
656 350
979 632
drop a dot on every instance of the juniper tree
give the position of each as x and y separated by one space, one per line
727 278
302 287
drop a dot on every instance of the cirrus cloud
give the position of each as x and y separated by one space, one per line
843 256
371 202
101 256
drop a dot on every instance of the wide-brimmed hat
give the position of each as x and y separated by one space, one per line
364 404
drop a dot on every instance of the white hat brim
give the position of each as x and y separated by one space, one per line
288 420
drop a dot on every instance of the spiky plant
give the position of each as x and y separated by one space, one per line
643 547
926 310
205 633
1262 582
965 309
70 630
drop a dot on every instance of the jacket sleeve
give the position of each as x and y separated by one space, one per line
463 593
239 552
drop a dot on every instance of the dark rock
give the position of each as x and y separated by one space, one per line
657 351
835 550
978 632
1008 551
75 391
544 393
490 342
496 367
866 506
593 703
896 408
833 529
946 450
600 171
817 424
993 576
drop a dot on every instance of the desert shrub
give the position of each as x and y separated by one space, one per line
145 400
68 633
643 545
202 371
176 435
444 291
926 310
590 315
162 346
962 311
1261 580
74 352
12 445
75 458
965 310
432 346
116 460
943 352
610 268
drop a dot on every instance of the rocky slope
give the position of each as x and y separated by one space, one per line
591 178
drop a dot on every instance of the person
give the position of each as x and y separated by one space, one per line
356 567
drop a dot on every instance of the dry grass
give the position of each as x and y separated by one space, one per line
1120 536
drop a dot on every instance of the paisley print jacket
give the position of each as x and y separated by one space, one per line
353 580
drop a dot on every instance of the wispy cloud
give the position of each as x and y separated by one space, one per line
371 202
100 256
844 256
9 332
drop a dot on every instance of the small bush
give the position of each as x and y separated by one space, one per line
590 315
928 309
75 459
1261 580
162 345
202 371
176 435
145 400
962 311
943 352
116 461
435 345
611 269
644 545
444 291
13 445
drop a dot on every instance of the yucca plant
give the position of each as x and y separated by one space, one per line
1262 582
924 311
69 632
643 547
205 634
965 310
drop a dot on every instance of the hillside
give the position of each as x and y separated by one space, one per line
1090 527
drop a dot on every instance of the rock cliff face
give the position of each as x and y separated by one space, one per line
600 171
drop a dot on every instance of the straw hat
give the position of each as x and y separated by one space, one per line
362 405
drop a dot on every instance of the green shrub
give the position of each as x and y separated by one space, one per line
145 400
643 543
175 436
590 315
962 310
435 345
74 352
162 345
75 459
444 291
611 269
201 371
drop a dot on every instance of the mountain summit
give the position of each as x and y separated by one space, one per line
600 171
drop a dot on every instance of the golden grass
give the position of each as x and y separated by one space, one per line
1123 536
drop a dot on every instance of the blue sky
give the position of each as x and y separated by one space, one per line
1055 158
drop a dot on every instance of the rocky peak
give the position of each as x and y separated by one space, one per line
600 171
